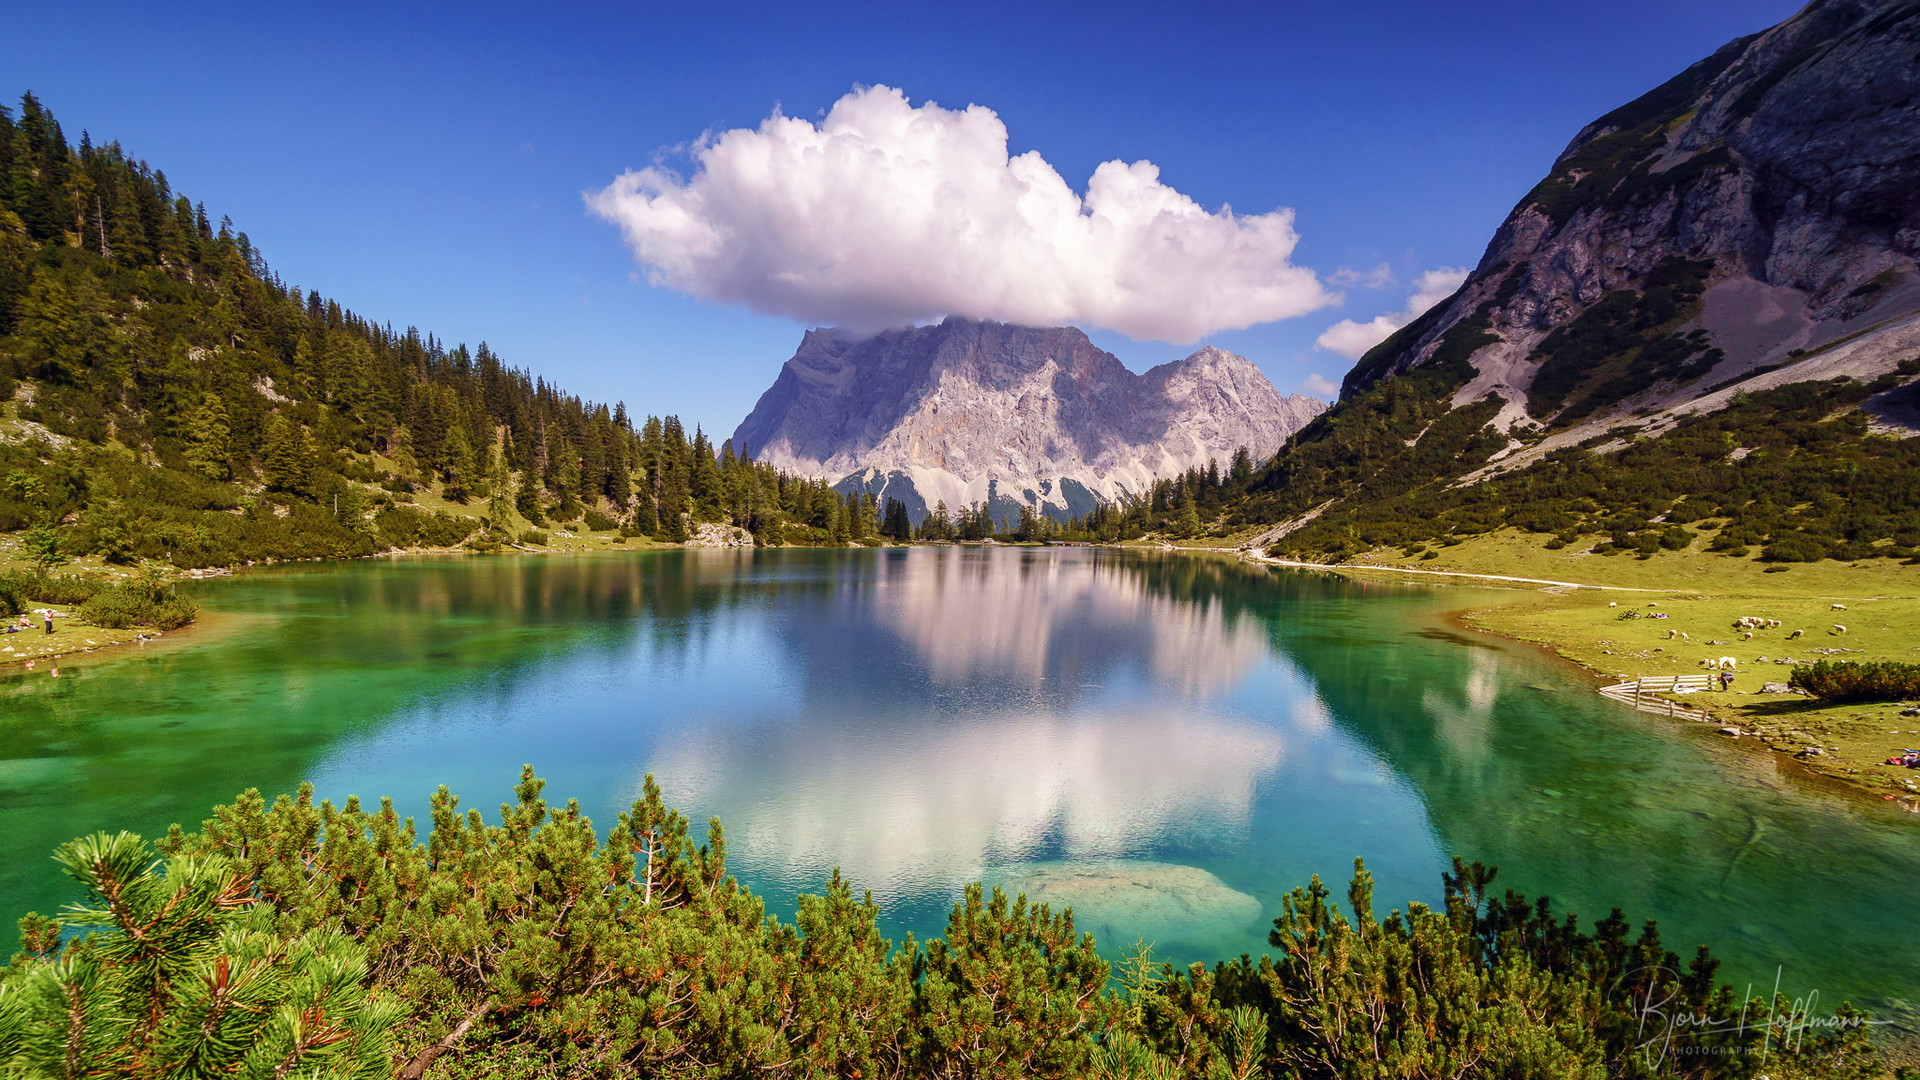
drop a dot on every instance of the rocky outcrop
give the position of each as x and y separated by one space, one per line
1757 209
981 412
709 535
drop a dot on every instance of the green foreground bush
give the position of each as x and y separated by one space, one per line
295 939
1844 680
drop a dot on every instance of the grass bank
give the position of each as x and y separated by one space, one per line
1701 595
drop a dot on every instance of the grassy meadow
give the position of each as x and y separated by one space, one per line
1702 594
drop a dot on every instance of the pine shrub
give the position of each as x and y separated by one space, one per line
534 948
1847 681
147 601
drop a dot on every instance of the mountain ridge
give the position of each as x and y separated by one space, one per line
972 411
1707 311
1788 162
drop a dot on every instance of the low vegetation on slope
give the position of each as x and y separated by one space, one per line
291 938
1791 471
146 600
1846 681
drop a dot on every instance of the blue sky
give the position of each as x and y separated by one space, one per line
425 164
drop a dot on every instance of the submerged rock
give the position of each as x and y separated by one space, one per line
1122 901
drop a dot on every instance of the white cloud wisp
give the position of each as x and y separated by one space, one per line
1352 339
885 214
1320 386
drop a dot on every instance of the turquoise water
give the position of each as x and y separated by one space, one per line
1170 742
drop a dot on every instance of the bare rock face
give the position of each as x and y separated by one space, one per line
980 412
1766 201
719 536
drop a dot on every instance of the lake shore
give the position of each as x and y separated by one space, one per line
1571 604
72 638
1622 618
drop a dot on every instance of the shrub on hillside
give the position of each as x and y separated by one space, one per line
1844 680
410 526
535 537
1793 547
145 601
597 521
487 541
51 588
13 600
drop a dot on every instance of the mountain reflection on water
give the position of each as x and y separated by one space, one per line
1166 741
964 712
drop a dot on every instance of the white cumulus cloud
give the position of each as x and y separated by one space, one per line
1377 278
1352 339
884 214
1320 386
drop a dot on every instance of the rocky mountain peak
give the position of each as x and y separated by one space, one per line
1752 221
970 411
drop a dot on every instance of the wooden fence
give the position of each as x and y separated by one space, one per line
1639 694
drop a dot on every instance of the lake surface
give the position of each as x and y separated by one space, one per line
1169 742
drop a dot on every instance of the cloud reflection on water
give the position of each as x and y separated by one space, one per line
1070 713
917 807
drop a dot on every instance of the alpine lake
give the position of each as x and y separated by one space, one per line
1168 743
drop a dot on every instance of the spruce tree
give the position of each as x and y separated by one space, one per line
645 520
286 460
897 525
457 453
51 338
1188 525
209 437
400 452
500 488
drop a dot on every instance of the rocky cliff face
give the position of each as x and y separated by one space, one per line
969 411
1753 221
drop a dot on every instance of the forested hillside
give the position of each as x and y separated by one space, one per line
167 396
